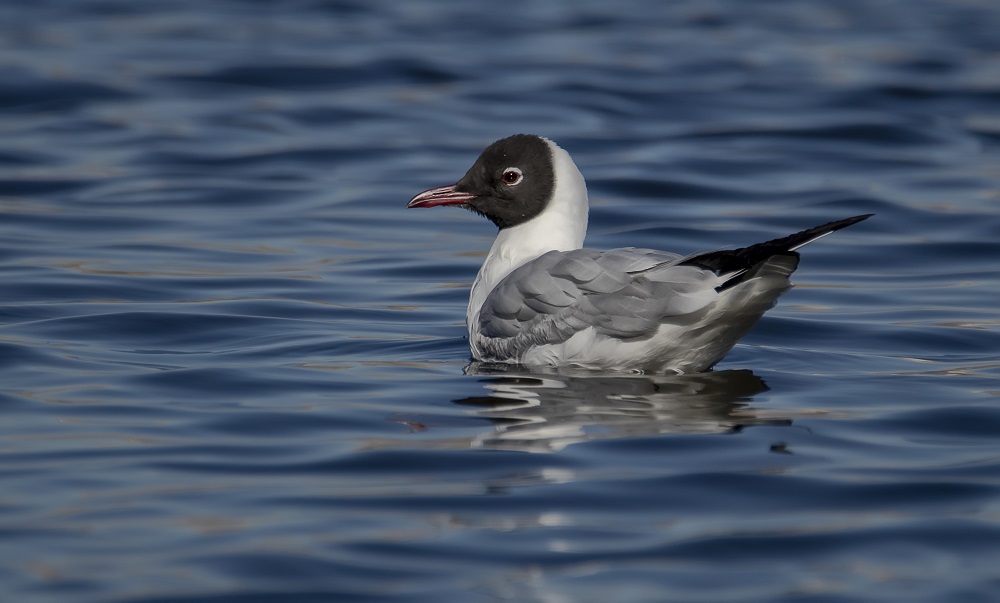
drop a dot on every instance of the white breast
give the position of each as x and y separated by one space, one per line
561 226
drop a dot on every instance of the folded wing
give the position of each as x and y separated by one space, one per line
621 293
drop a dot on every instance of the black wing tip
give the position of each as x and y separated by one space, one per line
743 261
838 224
798 239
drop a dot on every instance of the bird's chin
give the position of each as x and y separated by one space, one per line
443 195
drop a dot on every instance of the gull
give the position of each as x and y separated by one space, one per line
541 299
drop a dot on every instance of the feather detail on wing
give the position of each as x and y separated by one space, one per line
621 293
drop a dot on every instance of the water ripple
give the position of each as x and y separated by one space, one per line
234 367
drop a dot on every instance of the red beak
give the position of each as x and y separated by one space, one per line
443 195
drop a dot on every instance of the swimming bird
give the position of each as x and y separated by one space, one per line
540 298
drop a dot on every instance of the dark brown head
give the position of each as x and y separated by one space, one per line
510 183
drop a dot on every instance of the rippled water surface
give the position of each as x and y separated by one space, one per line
234 368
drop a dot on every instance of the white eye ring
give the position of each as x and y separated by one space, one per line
512 176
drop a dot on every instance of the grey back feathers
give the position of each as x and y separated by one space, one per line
622 293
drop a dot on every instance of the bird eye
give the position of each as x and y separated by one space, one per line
513 176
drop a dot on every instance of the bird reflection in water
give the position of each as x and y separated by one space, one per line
546 410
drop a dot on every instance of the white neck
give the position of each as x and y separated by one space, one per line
561 226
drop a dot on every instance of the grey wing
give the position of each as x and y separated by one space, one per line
622 293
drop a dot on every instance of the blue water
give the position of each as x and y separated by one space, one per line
233 367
